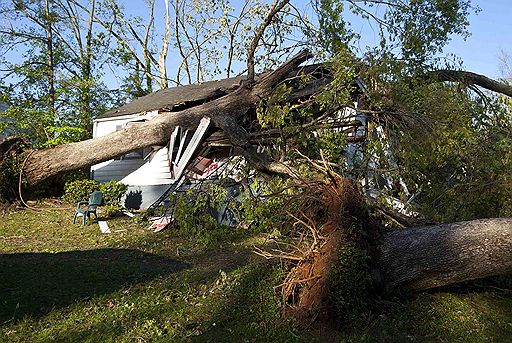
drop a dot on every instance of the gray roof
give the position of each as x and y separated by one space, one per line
170 98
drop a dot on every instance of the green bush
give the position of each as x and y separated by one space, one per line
262 213
112 192
79 190
112 210
195 213
349 283
9 174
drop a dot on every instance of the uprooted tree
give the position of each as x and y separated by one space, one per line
293 113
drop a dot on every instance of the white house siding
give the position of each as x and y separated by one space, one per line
141 197
155 171
113 169
147 179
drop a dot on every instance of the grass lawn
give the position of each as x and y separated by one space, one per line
61 282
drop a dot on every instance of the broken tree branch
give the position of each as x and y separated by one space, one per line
274 10
469 78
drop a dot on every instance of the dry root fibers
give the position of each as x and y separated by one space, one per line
337 215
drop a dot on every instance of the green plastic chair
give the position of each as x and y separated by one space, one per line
92 205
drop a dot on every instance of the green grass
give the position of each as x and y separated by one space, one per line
61 282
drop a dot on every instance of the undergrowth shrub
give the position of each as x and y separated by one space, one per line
349 283
79 190
9 174
195 212
261 213
112 210
112 192
74 175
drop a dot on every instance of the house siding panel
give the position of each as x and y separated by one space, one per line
147 179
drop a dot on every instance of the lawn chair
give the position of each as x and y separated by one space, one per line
92 204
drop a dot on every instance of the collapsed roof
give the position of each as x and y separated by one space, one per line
173 98
180 97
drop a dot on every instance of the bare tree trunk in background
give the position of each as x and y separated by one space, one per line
165 46
86 96
50 57
177 37
149 83
147 60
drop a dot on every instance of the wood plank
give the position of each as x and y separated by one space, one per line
192 146
183 138
104 227
171 148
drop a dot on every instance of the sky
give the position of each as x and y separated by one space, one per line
491 34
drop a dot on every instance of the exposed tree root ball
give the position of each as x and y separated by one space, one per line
340 225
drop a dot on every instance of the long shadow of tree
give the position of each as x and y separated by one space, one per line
32 284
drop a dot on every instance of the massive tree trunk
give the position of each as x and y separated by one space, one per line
224 111
439 255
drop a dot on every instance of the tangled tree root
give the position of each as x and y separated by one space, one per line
10 152
336 219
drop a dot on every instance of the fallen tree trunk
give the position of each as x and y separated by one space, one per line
439 255
224 111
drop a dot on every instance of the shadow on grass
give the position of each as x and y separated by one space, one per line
32 284
249 310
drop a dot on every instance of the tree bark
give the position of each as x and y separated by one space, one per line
50 58
87 80
274 10
469 78
145 49
162 58
439 255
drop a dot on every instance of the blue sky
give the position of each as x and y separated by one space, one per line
491 33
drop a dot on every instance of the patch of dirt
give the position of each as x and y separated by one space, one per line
6 207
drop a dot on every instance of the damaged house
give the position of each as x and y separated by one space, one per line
153 172
150 172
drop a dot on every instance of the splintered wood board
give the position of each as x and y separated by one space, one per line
170 152
191 147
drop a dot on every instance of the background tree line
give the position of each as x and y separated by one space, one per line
59 57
